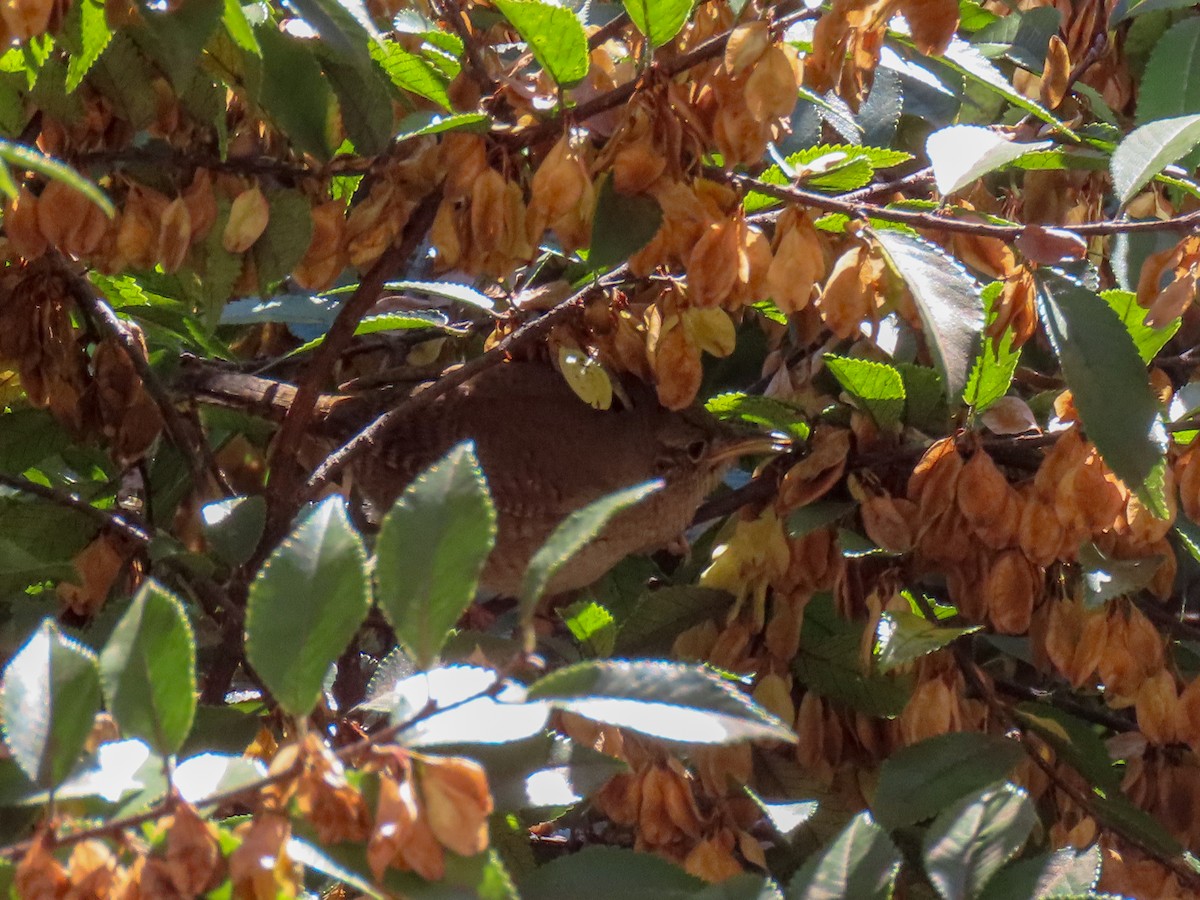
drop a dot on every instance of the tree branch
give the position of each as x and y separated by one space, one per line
285 477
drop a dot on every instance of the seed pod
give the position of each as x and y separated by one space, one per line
771 90
457 803
1155 708
1056 73
248 219
21 225
982 490
798 264
174 235
713 264
677 368
889 522
1013 585
746 45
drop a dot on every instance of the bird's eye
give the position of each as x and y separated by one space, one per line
696 450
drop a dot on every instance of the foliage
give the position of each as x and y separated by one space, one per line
275 621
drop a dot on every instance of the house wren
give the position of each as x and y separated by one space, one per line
545 454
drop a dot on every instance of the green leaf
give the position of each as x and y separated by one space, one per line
1063 873
1133 316
1108 380
411 72
947 298
344 26
420 124
923 779
295 93
233 527
755 409
239 28
969 62
862 863
148 670
829 662
592 626
1148 150
572 535
87 36
903 636
310 855
431 550
967 844
48 698
658 20
305 605
364 96
1127 9
1104 578
1170 85
126 78
446 290
554 36
23 157
668 700
925 404
878 387
609 873
174 38
288 233
1020 36
662 614
621 226
808 519
1117 812
1074 740
959 154
993 370
408 321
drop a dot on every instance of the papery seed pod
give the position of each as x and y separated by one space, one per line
558 186
637 166
457 803
746 45
194 862
931 710
201 202
754 262
446 238
798 263
989 255
621 798
463 157
774 695
713 264
1056 73
771 90
1172 301
263 852
711 330
21 225
39 874
712 859
678 800
1040 533
1155 708
326 255
933 23
810 735
248 218
69 220
1012 587
939 483
489 202
654 825
982 490
174 235
93 870
25 19
1050 246
1187 714
677 368
1187 475
890 522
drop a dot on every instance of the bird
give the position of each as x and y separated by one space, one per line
544 454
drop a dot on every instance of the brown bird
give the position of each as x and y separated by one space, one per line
545 453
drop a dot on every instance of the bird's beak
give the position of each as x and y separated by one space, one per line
752 445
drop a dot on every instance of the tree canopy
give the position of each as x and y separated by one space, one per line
934 259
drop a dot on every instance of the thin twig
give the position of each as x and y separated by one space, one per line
103 517
608 30
370 436
194 447
915 219
115 826
284 473
454 14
